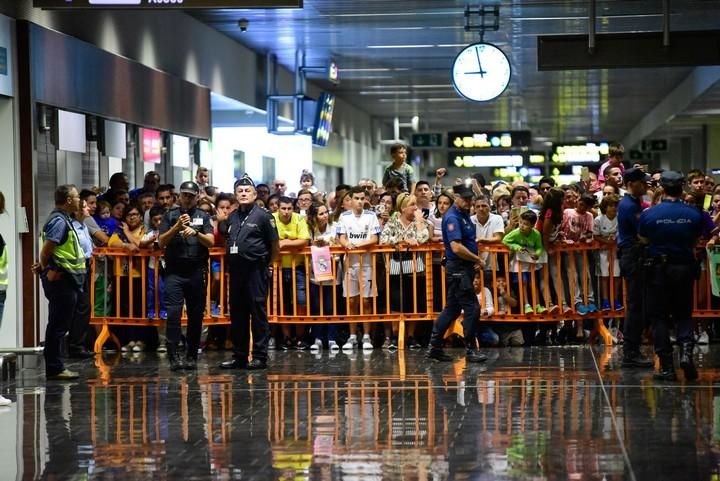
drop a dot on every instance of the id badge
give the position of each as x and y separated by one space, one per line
233 249
197 221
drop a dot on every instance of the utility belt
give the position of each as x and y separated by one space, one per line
184 267
667 260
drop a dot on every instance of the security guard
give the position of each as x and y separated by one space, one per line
630 255
672 229
186 233
62 271
461 254
252 246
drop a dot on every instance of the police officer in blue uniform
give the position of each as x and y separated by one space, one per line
461 254
252 245
671 230
631 255
186 234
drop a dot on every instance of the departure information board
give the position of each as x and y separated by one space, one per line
165 4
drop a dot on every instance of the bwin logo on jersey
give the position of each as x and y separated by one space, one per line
353 235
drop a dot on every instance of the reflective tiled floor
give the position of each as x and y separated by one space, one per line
535 413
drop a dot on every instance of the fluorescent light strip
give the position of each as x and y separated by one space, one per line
394 14
345 70
427 86
384 92
400 46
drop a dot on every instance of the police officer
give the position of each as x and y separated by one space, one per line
62 271
252 245
630 256
461 253
672 229
186 233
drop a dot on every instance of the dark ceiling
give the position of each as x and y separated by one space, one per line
395 60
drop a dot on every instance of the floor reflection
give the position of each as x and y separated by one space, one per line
530 414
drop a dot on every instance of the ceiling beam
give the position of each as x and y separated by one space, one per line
694 85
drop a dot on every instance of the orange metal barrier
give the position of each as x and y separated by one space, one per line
395 296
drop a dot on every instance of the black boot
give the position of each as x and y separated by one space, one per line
667 370
174 357
633 358
686 361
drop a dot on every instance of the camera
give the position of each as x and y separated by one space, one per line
243 24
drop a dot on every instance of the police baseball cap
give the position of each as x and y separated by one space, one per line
634 174
671 178
189 187
463 191
244 180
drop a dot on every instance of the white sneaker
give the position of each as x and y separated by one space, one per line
316 346
703 338
271 344
139 346
366 344
5 401
333 346
128 347
351 343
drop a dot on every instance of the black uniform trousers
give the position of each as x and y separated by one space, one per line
670 293
460 297
62 296
189 286
81 319
635 321
248 297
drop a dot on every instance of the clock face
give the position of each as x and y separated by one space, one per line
481 72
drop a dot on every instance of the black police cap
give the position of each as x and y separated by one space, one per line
671 178
463 191
244 180
189 187
634 174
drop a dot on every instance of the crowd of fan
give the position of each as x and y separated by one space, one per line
532 220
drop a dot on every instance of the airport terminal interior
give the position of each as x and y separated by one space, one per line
427 240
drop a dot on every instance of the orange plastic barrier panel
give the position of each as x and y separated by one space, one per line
399 284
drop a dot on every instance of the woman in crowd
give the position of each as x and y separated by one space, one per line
128 237
443 202
325 296
407 270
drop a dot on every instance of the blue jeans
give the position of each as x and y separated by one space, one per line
287 279
486 336
321 331
151 290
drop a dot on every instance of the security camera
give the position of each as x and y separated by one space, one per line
243 24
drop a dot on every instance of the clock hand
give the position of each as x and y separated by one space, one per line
477 54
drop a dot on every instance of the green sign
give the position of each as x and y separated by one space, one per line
427 141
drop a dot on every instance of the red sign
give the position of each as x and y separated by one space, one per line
151 145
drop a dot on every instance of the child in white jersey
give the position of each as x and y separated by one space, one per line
605 230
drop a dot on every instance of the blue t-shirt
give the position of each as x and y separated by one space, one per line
56 229
629 211
84 238
108 226
673 229
458 226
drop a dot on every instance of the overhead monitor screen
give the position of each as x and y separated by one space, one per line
323 119
488 140
181 151
588 152
71 132
151 145
165 4
459 159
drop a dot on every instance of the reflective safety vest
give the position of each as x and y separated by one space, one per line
69 256
3 266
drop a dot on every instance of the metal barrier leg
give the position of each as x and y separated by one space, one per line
600 330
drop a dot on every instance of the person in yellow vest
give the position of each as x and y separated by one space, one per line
62 270
3 282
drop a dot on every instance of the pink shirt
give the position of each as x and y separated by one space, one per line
575 226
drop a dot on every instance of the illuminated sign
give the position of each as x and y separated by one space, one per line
323 119
537 158
489 140
333 73
579 153
499 160
163 4
151 145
